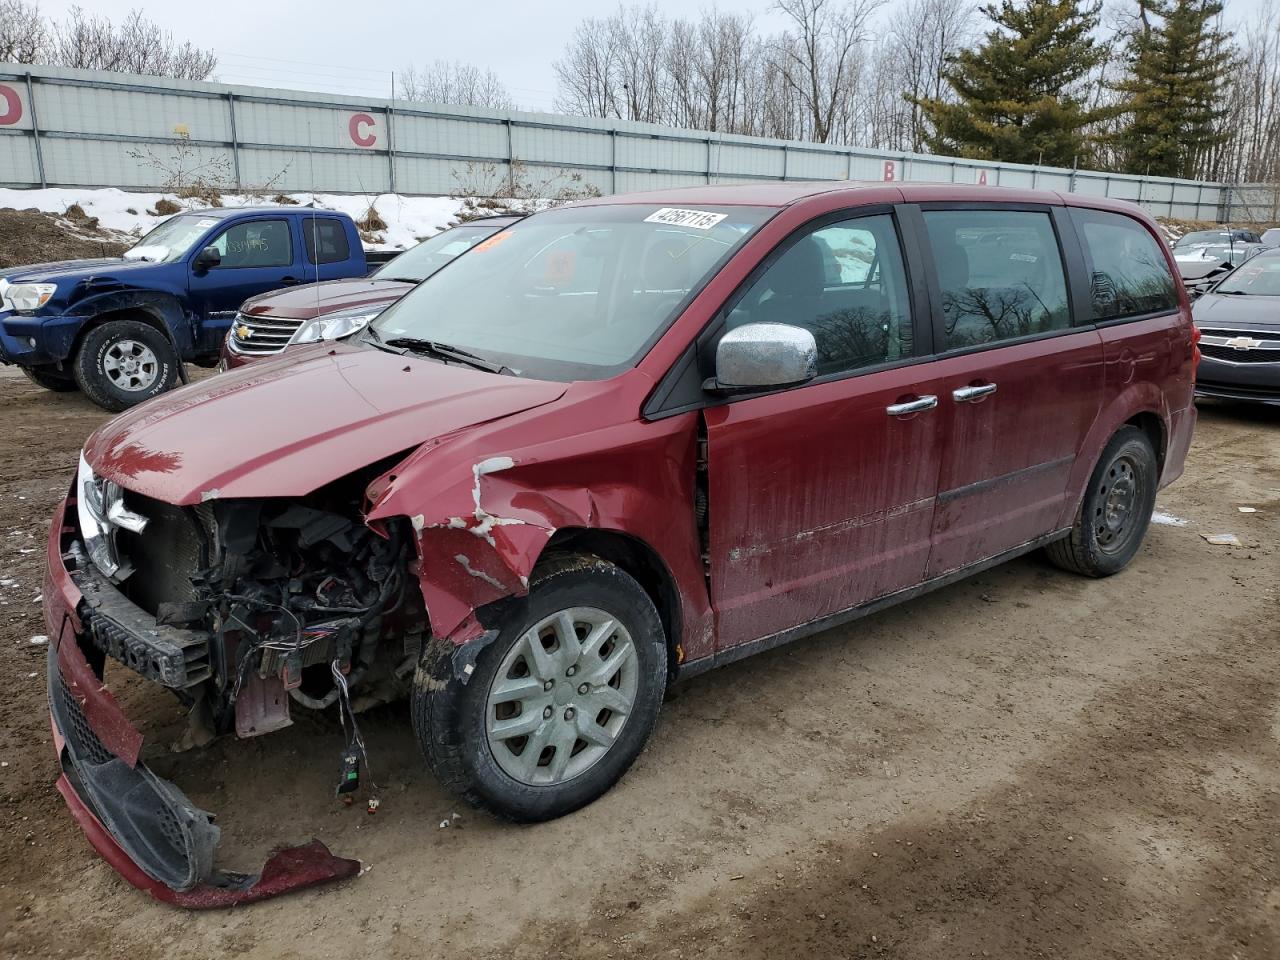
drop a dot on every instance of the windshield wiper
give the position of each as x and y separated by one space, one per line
414 280
444 351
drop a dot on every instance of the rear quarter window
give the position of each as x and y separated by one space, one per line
1129 275
326 240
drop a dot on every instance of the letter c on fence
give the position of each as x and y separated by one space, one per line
10 106
358 137
890 171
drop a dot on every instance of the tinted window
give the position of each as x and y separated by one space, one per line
257 243
1128 272
326 240
1000 273
845 283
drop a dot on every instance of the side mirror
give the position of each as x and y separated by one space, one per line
761 356
207 259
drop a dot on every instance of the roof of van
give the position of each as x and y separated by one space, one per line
784 193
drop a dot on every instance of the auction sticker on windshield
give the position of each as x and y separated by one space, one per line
675 217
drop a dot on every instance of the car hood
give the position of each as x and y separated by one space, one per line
1219 310
73 270
314 299
286 426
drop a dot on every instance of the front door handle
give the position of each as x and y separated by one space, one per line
911 406
289 281
970 394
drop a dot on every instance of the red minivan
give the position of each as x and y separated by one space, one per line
616 444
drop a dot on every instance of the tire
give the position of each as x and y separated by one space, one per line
50 379
461 732
1116 509
121 363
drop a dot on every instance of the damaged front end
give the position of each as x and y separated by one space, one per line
244 609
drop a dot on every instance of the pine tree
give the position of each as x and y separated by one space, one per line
1019 96
1178 61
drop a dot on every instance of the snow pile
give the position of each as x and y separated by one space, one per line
409 220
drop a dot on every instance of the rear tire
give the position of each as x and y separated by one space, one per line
1116 510
50 379
124 362
584 709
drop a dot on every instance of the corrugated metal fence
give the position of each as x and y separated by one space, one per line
61 127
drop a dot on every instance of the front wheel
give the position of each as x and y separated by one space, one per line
1116 510
559 705
123 362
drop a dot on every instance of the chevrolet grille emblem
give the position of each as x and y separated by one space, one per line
1243 343
242 332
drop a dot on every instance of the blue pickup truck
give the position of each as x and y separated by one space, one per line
120 329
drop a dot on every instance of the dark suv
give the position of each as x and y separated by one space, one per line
616 444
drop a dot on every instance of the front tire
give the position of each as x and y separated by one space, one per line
50 379
123 362
559 706
1116 509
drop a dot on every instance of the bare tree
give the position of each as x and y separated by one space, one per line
137 45
24 34
820 56
460 84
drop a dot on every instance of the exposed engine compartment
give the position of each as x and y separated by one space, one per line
300 601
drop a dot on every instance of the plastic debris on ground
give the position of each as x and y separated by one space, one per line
1222 539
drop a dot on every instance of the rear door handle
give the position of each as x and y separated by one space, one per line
911 406
969 394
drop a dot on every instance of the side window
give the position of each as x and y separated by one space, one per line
326 240
1001 275
257 243
846 284
1128 272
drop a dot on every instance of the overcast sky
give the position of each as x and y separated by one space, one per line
344 47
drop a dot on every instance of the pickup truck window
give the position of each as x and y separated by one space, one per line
172 240
256 243
326 240
846 284
578 293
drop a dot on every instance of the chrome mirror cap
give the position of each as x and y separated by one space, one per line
761 356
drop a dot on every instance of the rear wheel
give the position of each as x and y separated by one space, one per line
50 378
124 362
559 705
1116 509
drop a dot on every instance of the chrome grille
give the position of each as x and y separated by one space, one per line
262 336
1263 346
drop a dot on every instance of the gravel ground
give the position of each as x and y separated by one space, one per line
1026 764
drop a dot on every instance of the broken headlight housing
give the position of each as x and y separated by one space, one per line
101 511
25 297
334 326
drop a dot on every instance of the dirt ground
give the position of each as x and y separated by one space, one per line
1027 764
29 236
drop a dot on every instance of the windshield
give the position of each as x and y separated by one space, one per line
1260 277
578 293
1202 237
420 262
171 240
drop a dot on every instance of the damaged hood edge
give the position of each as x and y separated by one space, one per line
288 426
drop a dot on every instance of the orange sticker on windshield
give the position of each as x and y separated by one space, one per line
490 243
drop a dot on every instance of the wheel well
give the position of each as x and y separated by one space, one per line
639 560
125 313
1150 424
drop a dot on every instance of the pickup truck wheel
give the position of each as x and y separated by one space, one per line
124 362
1116 509
50 379
559 705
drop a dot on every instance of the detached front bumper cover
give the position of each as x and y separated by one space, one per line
144 826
